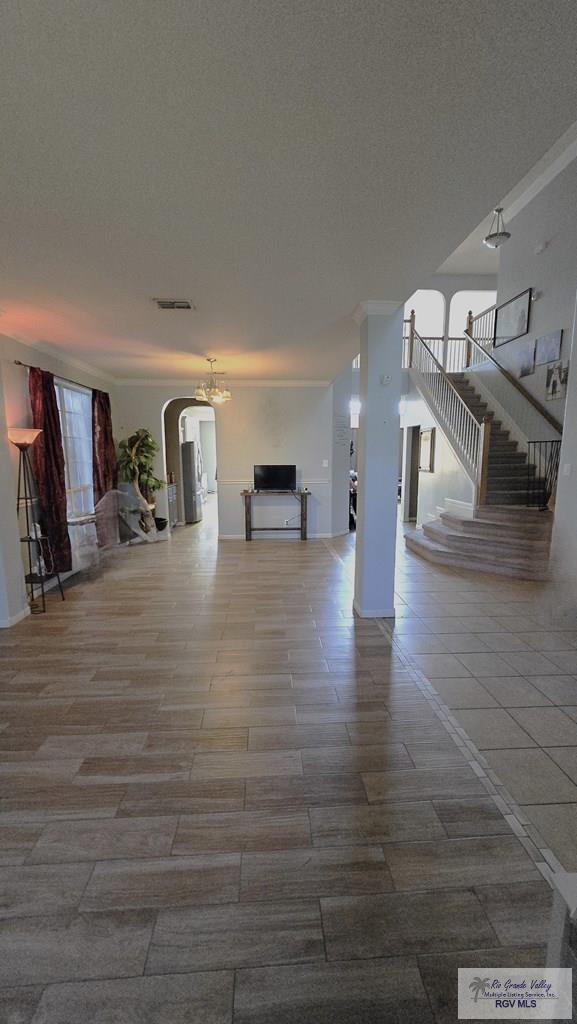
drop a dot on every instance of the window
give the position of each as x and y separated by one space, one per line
75 408
354 411
357 362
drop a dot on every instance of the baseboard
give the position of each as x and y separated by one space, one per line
274 536
463 509
373 613
15 619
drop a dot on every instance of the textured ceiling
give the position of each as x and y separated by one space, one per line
275 162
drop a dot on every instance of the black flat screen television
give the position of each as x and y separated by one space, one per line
275 478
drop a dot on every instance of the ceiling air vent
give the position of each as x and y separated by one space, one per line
174 304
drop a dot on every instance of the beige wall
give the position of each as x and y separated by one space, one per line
262 424
542 254
275 425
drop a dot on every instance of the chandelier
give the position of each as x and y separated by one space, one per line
210 390
497 232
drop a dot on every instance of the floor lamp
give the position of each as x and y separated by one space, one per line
37 544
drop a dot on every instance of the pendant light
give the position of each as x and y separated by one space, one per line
210 390
498 233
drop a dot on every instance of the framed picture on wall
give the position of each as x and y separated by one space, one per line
556 383
549 348
526 359
427 450
512 318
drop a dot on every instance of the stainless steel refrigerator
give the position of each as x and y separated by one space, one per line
191 482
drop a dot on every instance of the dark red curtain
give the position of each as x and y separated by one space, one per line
48 465
104 474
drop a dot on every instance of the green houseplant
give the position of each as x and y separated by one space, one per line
136 457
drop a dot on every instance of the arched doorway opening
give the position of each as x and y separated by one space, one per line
429 306
189 429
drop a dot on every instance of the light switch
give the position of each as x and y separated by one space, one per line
566 469
325 463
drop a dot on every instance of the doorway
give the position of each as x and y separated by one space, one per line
410 474
191 464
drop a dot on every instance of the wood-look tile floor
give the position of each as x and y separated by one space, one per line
223 797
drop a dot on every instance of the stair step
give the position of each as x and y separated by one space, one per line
509 458
508 483
434 552
502 546
527 517
497 526
500 497
504 469
500 437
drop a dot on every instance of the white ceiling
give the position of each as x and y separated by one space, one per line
275 162
471 256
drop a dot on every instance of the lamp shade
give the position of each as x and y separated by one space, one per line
23 437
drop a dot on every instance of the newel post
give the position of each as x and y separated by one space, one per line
483 463
469 331
411 336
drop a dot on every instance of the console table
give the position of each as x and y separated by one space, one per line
249 529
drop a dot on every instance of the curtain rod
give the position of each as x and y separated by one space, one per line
28 366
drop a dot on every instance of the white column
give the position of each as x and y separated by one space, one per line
446 316
340 456
381 340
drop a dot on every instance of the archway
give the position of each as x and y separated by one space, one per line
189 422
476 300
429 306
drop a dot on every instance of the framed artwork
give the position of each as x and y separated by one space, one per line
526 360
549 348
512 318
427 450
556 383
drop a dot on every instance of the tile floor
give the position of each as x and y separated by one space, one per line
224 798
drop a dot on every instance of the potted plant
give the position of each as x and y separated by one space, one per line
135 464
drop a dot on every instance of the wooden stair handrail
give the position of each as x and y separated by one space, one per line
551 420
483 428
446 376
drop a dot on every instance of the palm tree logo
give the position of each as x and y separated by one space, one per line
478 986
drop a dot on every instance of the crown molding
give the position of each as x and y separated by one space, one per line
159 382
63 357
375 307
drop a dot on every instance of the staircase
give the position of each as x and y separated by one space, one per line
507 471
499 539
503 536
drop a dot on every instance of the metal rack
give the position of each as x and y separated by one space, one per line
40 557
